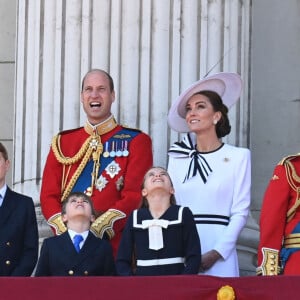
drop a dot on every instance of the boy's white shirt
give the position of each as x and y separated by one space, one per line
84 234
2 193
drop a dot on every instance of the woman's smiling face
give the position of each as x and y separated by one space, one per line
200 115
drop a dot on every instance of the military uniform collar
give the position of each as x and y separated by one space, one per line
102 127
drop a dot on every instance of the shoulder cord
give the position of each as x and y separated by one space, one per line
92 146
69 160
293 179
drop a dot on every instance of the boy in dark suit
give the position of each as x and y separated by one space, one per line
18 227
76 252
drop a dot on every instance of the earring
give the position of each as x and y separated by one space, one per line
215 122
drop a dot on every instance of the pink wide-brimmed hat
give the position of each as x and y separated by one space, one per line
227 85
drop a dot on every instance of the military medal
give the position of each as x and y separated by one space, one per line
106 153
120 183
113 169
94 143
101 183
125 151
119 152
112 153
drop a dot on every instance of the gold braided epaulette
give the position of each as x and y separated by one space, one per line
104 223
57 224
287 158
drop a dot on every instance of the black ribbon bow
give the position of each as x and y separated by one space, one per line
198 163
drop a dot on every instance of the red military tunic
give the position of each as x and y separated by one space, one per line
122 155
280 215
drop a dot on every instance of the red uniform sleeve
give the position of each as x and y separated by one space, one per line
273 213
50 196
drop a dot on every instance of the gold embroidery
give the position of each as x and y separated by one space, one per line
294 181
57 223
122 136
292 241
102 128
105 223
282 162
269 264
292 173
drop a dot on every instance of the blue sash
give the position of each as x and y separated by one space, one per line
116 146
285 253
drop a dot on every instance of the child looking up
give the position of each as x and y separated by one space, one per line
76 252
161 237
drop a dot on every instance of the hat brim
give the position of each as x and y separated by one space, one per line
227 85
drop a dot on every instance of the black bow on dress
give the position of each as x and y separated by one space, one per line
198 163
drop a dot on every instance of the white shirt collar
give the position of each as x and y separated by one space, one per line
84 234
2 193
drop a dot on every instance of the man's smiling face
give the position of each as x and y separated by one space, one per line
97 97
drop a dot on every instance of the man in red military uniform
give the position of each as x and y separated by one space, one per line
103 159
279 246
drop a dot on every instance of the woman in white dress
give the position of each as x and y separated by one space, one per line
212 178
